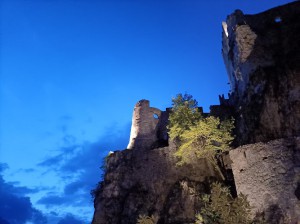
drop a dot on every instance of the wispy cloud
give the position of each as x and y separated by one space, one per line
78 167
15 206
70 219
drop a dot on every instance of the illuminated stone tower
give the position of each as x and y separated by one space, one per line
145 125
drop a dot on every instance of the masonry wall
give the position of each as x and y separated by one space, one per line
269 174
145 126
262 53
262 56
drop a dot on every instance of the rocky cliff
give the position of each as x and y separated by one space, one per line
262 56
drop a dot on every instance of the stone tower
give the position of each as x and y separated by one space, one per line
145 125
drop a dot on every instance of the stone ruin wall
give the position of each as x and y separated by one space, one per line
262 54
269 174
149 126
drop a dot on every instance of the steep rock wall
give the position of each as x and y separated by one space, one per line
141 182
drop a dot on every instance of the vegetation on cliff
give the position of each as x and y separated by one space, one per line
197 136
144 219
221 208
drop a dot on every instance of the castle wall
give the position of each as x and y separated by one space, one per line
262 53
269 174
145 125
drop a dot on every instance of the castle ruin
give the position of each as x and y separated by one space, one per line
148 126
262 57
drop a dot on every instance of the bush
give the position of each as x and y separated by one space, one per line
143 219
221 208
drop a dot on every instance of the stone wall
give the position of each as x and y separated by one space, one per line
145 126
269 174
262 53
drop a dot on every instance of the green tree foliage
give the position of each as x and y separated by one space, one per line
143 219
197 137
184 115
221 208
207 138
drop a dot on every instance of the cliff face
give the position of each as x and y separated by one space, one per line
139 182
262 56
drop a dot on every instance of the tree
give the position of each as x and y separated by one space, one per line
184 115
195 136
206 139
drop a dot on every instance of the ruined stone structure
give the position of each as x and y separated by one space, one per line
262 56
148 126
269 174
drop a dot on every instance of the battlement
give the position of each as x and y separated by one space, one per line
149 124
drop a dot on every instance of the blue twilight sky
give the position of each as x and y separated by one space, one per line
70 74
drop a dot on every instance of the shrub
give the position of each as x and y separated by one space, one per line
143 219
221 208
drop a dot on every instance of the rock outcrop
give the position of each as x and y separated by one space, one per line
262 56
139 182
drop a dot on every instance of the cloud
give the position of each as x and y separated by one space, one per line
15 207
3 166
70 219
78 167
52 161
73 187
52 200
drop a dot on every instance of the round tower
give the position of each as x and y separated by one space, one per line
144 126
